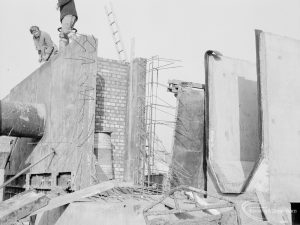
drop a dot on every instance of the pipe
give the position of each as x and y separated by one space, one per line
22 119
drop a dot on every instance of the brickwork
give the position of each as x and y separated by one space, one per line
111 107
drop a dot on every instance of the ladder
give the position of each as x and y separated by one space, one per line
115 30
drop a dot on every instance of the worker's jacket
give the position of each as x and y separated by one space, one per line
44 45
67 7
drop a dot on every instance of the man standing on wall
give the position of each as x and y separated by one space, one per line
68 17
43 44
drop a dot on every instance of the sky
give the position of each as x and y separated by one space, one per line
174 29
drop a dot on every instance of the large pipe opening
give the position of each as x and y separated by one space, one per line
22 119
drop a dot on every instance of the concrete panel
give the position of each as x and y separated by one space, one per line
279 79
129 212
66 86
232 115
136 126
188 147
49 217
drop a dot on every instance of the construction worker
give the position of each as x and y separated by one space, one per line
43 44
68 18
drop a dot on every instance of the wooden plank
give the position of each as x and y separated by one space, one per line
232 121
21 206
83 193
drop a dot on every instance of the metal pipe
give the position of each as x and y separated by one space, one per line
22 119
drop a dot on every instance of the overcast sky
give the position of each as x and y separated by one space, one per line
174 29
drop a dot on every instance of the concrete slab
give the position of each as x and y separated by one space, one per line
94 213
188 145
136 120
66 85
279 79
232 115
49 217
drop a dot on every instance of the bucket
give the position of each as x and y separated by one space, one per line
103 152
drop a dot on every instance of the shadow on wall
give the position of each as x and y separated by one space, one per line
100 88
248 120
187 156
18 160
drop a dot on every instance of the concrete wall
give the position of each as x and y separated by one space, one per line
188 146
83 94
66 86
232 115
127 212
279 79
136 124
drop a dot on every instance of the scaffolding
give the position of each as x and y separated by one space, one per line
152 150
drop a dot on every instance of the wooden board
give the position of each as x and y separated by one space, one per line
21 206
232 115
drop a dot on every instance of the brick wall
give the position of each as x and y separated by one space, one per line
111 106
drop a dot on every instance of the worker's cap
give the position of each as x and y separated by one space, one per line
34 29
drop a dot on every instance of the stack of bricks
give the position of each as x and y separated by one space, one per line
111 107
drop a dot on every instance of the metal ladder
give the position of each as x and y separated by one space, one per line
115 30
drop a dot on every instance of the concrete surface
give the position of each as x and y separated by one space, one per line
93 213
66 86
49 217
188 144
136 126
232 114
279 78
